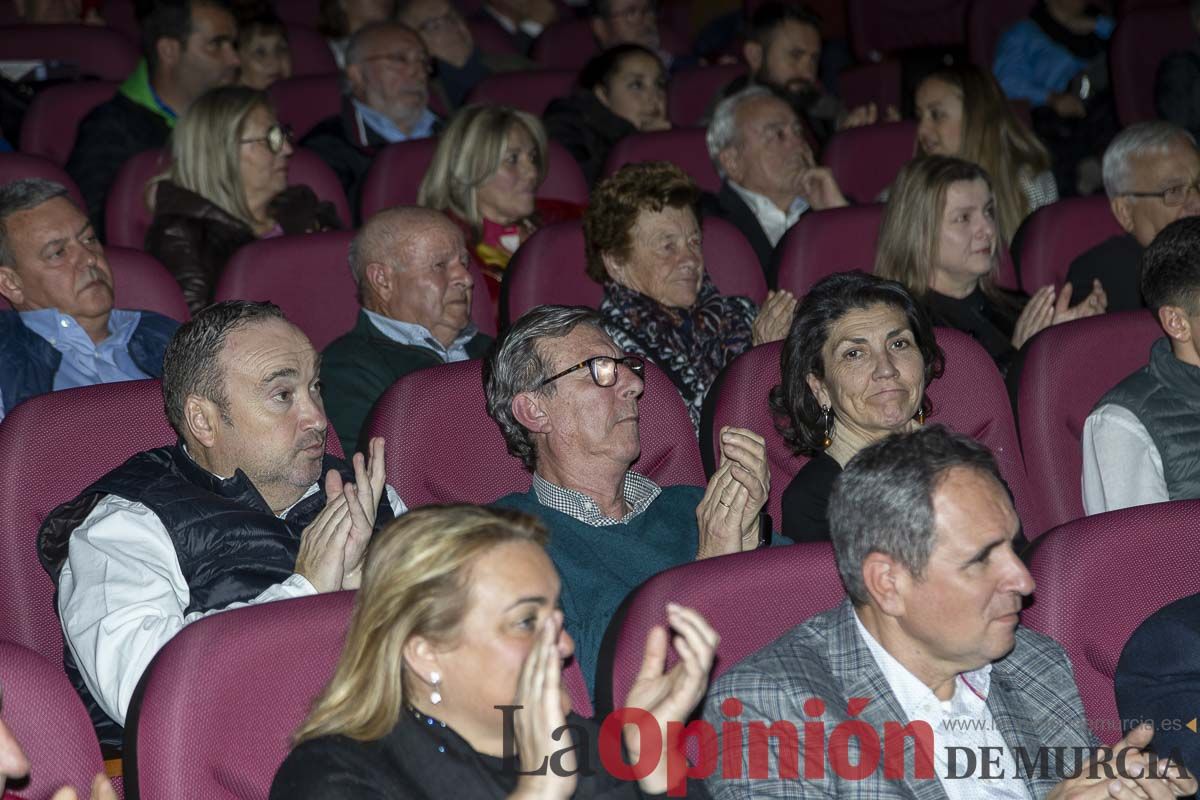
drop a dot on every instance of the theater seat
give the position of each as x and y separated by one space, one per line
303 101
865 160
310 52
1055 235
97 51
1139 44
527 90
693 91
986 21
683 147
880 27
17 166
141 282
49 126
127 214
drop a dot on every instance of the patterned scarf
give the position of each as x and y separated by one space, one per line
691 345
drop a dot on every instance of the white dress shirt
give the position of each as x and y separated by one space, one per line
775 223
122 595
962 721
1121 464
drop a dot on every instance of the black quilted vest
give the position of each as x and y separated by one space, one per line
230 545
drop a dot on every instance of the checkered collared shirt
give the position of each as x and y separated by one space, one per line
639 492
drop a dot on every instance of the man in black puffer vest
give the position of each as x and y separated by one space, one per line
235 513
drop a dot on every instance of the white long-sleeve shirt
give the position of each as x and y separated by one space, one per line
1121 464
122 596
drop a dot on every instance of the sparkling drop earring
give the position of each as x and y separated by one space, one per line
435 696
828 440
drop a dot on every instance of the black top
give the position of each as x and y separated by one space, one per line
805 503
729 206
422 758
1117 262
989 322
587 128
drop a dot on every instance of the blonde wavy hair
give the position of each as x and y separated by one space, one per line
206 149
911 229
469 152
995 139
416 583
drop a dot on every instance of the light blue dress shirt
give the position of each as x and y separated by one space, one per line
413 335
383 125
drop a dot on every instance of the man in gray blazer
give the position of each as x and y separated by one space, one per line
922 684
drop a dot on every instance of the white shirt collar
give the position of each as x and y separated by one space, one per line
775 223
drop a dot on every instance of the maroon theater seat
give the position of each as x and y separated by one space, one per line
310 52
528 90
879 27
127 214
1057 234
1140 42
566 44
694 90
15 166
98 51
141 282
299 12
1098 579
308 169
303 101
969 398
396 173
53 118
47 718
865 160
880 83
489 36
987 20
789 585
683 147
550 267
1067 368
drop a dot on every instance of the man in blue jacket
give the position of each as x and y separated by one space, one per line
64 331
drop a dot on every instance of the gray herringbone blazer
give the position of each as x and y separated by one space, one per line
1033 700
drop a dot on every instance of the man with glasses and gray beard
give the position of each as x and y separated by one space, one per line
566 400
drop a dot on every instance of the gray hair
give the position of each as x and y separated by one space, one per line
22 195
384 239
1140 139
722 129
883 501
358 40
517 363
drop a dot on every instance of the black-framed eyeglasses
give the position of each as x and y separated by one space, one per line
603 369
1172 196
275 138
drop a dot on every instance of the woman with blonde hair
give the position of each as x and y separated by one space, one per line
962 112
485 174
226 187
940 239
457 616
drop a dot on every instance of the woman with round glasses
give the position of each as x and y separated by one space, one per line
226 187
642 239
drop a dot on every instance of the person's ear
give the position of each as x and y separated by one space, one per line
1122 209
887 583
817 387
356 79
614 268
753 53
421 659
731 162
1175 323
201 419
169 51
381 280
11 287
529 409
602 95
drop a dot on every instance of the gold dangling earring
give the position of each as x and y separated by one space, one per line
921 416
828 440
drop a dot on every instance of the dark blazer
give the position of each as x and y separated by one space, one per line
359 366
1158 678
1117 262
729 206
1033 701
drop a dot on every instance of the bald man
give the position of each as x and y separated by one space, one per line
414 284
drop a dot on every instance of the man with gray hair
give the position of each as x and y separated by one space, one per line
756 142
64 331
566 400
1152 178
928 643
414 282
386 100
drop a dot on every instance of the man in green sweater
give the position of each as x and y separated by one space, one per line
566 400
411 267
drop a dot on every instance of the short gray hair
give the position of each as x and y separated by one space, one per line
722 129
384 236
358 39
1140 139
22 195
883 501
517 363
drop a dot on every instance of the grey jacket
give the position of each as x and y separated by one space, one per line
1033 700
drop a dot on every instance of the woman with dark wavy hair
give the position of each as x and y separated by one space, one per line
853 368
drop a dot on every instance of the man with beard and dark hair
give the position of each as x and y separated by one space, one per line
783 49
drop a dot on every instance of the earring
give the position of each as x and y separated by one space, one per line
435 696
828 440
921 416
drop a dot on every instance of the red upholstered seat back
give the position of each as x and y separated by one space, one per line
683 147
18 166
303 101
865 160
53 118
98 51
527 90
1057 234
1140 42
140 282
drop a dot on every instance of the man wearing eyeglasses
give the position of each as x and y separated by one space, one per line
387 79
459 64
567 402
1140 443
1152 178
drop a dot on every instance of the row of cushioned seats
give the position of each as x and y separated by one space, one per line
219 702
